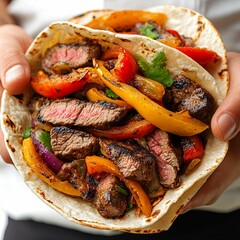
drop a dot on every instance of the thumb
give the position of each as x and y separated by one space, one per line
226 120
14 67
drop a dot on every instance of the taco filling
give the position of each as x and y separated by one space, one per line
150 24
114 129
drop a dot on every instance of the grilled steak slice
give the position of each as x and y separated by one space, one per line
79 113
68 56
75 173
71 144
110 199
168 157
134 161
184 94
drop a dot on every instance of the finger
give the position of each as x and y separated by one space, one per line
226 120
14 67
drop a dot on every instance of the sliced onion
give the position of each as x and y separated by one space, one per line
47 156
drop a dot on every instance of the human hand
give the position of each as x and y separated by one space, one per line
225 126
14 67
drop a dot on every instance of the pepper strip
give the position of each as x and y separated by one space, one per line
99 164
125 67
43 171
152 89
93 94
126 19
180 123
134 129
56 86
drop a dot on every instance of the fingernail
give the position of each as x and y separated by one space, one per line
227 126
14 73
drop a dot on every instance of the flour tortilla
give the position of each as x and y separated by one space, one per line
190 24
16 117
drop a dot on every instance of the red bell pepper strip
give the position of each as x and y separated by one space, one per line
126 67
192 148
134 129
177 35
55 86
201 55
99 164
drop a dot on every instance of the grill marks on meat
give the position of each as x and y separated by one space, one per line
71 144
134 161
75 173
109 201
79 113
184 94
168 157
68 56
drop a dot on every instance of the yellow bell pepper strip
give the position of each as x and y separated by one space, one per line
180 123
134 129
99 164
149 87
93 94
93 76
121 21
42 170
126 67
55 86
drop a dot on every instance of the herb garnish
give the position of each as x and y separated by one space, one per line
122 190
156 70
148 30
27 133
111 94
44 138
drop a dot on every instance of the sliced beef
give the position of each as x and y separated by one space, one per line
76 174
110 198
68 56
184 94
164 34
168 157
71 144
134 161
74 112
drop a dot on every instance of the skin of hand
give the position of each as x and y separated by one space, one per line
14 68
15 76
5 18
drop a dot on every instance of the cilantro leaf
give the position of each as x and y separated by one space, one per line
111 94
27 133
45 139
156 70
148 30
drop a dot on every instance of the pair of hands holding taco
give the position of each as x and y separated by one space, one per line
15 77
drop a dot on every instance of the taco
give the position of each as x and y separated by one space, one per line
181 28
126 164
